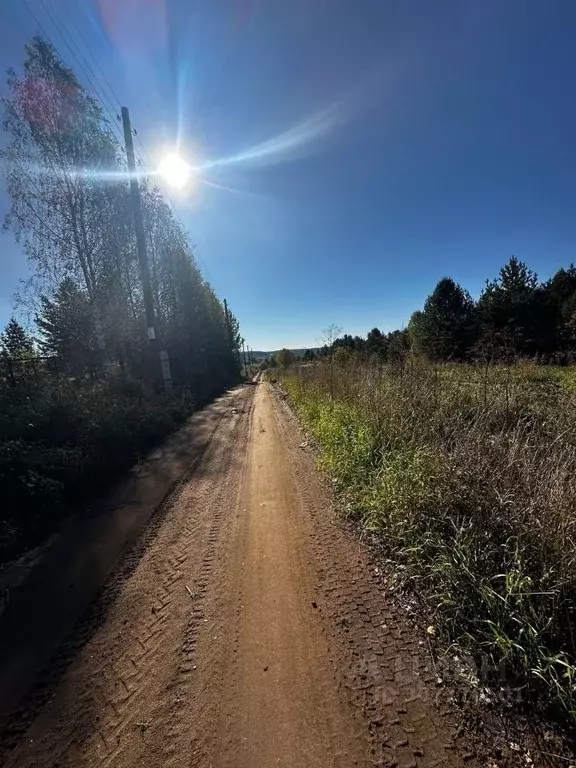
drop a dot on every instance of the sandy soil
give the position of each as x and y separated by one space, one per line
244 629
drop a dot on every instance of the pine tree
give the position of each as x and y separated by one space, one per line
376 343
509 311
68 329
444 329
15 343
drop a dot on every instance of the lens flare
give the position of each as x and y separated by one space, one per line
285 145
174 170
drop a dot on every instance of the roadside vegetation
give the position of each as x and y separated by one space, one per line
464 473
80 398
466 476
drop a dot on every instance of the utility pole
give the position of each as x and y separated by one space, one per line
153 349
244 355
228 328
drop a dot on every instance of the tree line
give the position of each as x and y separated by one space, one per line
515 316
70 211
78 400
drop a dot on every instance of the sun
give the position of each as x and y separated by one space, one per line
174 170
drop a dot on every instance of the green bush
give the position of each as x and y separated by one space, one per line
63 441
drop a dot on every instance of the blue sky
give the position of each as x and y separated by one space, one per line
360 149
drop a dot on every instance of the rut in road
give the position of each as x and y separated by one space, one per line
253 632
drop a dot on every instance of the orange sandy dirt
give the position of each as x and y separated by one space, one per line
250 630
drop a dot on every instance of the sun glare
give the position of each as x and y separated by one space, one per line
174 170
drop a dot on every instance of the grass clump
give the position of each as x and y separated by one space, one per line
467 475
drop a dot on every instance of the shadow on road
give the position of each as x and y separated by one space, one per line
69 591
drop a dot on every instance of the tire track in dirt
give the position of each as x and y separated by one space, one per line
246 630
111 699
281 704
16 721
378 657
182 737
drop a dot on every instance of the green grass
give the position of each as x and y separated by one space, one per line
467 475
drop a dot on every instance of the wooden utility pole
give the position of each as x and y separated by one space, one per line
228 328
244 356
154 354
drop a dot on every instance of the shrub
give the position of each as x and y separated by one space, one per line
62 441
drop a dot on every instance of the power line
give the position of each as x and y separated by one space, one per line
60 27
47 37
101 95
139 140
104 101
115 97
116 101
31 12
91 85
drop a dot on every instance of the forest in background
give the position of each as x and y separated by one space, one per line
77 401
516 317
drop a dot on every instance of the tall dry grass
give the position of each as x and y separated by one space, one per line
467 475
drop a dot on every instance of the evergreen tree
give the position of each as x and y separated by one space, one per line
68 330
559 302
510 310
359 344
376 343
15 343
345 342
444 329
397 346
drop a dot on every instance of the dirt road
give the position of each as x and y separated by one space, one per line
250 631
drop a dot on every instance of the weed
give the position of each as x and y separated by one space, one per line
467 475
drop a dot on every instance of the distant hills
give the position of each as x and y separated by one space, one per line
265 355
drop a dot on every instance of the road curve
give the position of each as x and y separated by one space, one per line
252 632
